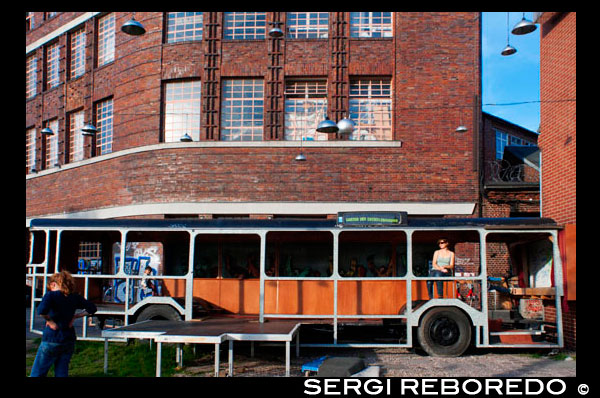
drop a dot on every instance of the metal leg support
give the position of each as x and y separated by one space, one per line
158 358
230 358
287 359
105 355
217 353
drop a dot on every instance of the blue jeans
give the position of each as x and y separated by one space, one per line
57 354
439 284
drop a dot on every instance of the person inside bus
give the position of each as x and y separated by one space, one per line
441 265
253 271
58 307
148 286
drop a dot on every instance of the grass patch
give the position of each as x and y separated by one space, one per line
136 359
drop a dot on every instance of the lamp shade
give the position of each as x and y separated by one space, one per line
508 50
185 138
276 32
523 27
345 126
133 27
47 131
88 129
461 129
327 126
301 158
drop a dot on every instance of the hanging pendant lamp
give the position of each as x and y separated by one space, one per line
508 50
133 27
346 126
47 131
523 27
88 129
327 126
185 138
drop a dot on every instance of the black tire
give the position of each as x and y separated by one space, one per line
444 332
159 312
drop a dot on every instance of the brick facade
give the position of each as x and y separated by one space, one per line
434 85
558 140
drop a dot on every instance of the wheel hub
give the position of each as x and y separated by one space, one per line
444 331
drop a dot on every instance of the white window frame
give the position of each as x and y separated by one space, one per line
182 109
31 76
371 24
75 136
244 25
52 65
368 101
52 145
307 25
184 26
77 61
106 39
242 108
305 108
30 148
104 125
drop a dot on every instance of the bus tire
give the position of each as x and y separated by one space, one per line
444 332
158 311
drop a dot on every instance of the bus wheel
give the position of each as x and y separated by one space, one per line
444 332
154 312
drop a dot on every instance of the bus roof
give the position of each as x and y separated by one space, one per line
241 223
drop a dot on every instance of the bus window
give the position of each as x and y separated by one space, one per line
464 245
228 255
372 254
299 254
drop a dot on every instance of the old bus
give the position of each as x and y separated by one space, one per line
360 280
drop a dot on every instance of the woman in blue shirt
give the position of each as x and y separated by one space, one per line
58 307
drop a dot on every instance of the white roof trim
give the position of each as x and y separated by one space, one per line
64 28
412 208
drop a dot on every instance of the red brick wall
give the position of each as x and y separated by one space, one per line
558 132
558 117
431 78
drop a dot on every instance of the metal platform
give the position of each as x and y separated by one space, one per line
208 331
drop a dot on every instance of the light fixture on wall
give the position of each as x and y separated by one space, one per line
133 27
523 27
508 50
185 138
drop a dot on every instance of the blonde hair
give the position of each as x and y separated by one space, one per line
65 282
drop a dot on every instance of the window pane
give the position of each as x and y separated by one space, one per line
308 25
52 145
184 26
104 125
245 25
370 24
31 76
371 109
242 121
52 65
75 136
182 110
305 108
106 39
30 148
77 54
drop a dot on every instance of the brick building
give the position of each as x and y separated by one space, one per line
251 102
558 144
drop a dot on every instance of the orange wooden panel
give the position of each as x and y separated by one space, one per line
571 246
299 297
371 297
